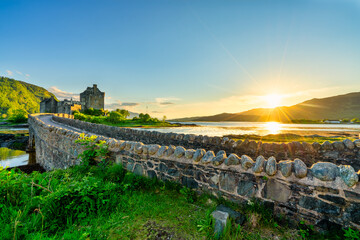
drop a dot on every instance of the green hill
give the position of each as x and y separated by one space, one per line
336 107
16 94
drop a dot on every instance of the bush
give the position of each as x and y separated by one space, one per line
115 117
18 116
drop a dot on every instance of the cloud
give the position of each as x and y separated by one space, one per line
156 112
166 101
18 72
27 75
10 73
119 104
63 94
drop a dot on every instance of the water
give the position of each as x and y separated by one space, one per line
258 128
13 158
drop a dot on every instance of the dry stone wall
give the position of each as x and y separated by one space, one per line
324 194
346 152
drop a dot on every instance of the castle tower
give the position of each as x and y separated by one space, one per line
92 97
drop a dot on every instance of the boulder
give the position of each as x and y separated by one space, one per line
348 175
300 168
179 151
357 143
234 215
189 153
246 161
233 159
199 153
349 144
286 167
326 146
220 221
325 171
259 164
218 159
170 151
138 147
338 146
208 157
154 148
162 151
271 166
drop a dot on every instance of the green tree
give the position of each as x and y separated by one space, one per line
115 117
123 112
17 115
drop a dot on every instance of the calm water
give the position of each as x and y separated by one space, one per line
13 158
258 128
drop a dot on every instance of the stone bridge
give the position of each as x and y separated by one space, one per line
311 182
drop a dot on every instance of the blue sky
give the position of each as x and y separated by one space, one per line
184 58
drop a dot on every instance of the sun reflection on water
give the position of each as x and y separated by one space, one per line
273 127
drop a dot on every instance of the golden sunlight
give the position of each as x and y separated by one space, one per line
273 100
273 127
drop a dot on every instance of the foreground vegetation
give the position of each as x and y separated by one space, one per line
98 200
119 118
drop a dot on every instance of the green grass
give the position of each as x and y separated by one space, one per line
91 202
285 138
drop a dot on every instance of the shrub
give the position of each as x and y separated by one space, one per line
18 116
115 117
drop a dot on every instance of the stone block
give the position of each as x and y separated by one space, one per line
324 171
247 188
318 205
227 181
276 191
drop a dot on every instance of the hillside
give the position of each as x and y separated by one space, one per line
20 95
336 107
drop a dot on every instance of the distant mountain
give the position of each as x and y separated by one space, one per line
16 94
336 107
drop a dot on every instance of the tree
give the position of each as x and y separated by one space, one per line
355 120
17 115
123 112
115 117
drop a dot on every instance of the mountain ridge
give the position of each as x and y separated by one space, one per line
334 107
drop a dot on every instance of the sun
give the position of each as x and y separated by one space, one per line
273 100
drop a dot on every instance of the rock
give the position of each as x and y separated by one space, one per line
128 145
233 159
326 146
208 157
215 179
357 143
259 164
122 145
162 151
225 140
170 151
300 168
219 159
316 146
271 166
234 215
145 149
325 171
318 205
227 181
179 151
276 191
189 153
138 147
246 161
199 153
220 221
339 146
349 144
286 167
154 148
348 175
247 188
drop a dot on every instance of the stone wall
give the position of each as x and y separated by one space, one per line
346 152
324 194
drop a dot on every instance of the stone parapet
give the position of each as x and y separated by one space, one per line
323 194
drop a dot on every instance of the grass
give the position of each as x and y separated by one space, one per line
91 202
285 138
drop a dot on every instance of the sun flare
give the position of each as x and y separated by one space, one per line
273 100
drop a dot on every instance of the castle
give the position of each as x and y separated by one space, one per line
92 97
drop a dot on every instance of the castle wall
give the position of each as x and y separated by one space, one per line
324 194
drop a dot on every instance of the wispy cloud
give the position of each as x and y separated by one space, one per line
163 101
63 94
10 73
121 105
18 72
